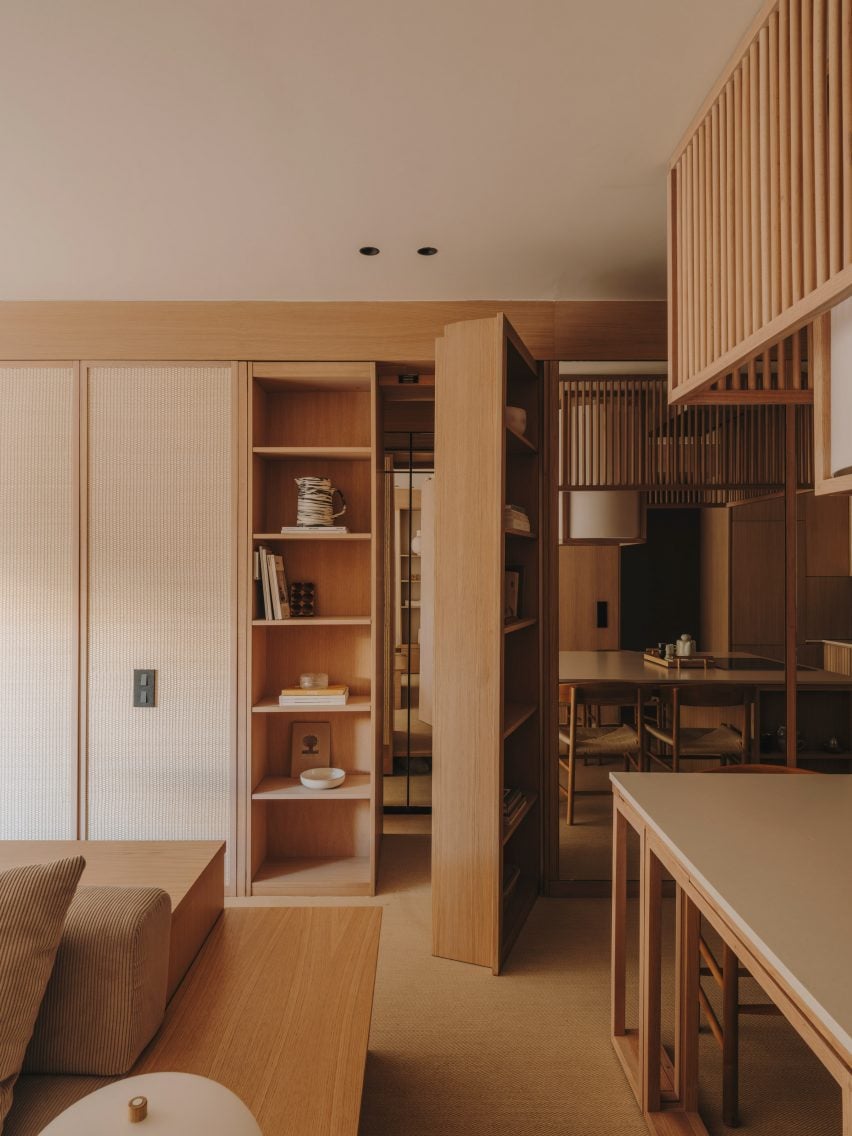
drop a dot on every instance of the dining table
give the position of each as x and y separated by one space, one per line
738 668
767 862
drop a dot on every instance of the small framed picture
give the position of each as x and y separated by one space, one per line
512 590
310 746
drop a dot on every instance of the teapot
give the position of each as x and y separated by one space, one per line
685 646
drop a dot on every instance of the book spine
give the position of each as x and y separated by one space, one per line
264 577
274 594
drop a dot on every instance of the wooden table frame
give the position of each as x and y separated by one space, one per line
667 1092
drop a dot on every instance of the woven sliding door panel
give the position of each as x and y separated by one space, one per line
38 602
160 564
760 195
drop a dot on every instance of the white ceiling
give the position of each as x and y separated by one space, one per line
245 149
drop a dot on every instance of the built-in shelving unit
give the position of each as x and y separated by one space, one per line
314 420
486 873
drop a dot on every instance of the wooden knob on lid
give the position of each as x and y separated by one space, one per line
137 1109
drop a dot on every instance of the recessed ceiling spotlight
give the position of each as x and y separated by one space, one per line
369 250
427 250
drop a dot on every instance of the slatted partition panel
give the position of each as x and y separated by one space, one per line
760 196
621 433
161 555
38 601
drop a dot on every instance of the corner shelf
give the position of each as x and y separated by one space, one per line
312 453
518 625
314 876
517 443
324 537
510 829
514 716
356 787
316 621
357 704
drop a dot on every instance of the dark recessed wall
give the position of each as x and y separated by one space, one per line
660 581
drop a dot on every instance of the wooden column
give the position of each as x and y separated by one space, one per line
790 486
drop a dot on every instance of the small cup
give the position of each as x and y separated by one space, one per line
670 652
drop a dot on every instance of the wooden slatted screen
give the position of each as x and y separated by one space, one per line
621 433
760 196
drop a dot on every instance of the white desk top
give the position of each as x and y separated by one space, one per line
775 855
629 666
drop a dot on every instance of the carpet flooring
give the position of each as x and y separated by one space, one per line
457 1052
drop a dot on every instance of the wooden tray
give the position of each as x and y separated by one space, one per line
684 662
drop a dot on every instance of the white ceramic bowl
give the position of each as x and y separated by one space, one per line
516 418
322 778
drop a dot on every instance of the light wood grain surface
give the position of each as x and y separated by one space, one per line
571 329
277 1008
782 876
629 666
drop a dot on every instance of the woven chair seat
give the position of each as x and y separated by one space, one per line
594 741
716 741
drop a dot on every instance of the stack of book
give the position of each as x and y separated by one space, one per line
514 801
271 582
515 519
315 696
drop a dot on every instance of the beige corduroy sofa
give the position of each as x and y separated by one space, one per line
104 1002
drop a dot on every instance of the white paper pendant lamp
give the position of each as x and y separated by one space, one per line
605 516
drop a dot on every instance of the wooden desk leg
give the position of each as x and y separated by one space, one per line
649 979
686 1009
619 921
846 1089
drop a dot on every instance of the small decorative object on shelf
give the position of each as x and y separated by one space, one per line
310 746
516 419
417 543
313 680
832 745
320 778
516 519
512 593
302 599
315 508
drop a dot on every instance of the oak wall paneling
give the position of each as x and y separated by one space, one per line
588 575
163 499
715 580
39 600
191 330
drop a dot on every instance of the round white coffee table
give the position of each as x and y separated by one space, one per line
157 1104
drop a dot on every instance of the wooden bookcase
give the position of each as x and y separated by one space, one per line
488 705
314 419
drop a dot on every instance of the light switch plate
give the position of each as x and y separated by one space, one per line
144 688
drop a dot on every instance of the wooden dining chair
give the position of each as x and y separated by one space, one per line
594 739
727 974
680 742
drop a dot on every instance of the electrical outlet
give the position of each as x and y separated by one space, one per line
144 688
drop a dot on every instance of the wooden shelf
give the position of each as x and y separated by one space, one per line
269 537
356 787
514 715
519 443
325 453
314 419
518 625
520 535
357 704
315 621
328 876
509 832
510 883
